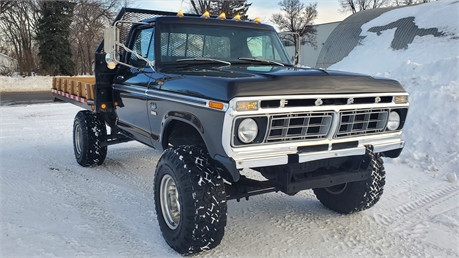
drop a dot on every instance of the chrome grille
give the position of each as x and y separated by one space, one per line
358 122
299 126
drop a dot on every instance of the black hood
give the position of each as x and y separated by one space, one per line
250 81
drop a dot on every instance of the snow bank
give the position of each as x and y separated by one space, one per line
22 84
428 69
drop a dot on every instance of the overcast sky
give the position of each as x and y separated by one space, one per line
328 10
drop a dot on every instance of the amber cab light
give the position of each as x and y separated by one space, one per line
206 15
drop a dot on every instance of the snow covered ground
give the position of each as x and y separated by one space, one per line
52 207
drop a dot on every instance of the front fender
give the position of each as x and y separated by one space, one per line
210 131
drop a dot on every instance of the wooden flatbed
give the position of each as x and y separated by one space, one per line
79 91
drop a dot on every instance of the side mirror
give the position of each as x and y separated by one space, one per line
111 39
112 45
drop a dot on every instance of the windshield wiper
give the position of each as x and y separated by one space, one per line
204 59
261 60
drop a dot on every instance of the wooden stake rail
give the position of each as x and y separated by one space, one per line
83 87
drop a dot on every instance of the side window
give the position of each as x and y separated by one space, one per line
151 48
262 47
143 46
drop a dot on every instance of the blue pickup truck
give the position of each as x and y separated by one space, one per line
221 95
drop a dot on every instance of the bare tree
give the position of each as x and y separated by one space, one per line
5 5
215 7
87 30
299 18
18 20
200 6
360 5
17 25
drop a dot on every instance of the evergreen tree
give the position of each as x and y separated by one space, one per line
53 37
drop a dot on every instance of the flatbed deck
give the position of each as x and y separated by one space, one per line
79 91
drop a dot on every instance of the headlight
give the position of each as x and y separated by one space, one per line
394 121
247 130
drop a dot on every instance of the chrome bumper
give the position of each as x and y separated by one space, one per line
272 155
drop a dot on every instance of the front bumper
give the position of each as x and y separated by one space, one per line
272 155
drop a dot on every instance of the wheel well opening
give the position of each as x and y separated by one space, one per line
180 133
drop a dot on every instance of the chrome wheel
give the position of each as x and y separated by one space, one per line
170 205
77 139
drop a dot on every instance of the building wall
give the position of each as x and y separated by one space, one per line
309 55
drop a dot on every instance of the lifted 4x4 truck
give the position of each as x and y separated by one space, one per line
221 95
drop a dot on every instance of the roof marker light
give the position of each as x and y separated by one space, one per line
180 14
222 16
205 15
257 20
237 17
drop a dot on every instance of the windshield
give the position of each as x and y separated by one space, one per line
230 44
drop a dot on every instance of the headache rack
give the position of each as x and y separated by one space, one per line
132 15
104 76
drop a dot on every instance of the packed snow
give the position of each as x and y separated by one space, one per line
52 207
25 84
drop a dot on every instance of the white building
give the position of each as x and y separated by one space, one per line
309 55
7 64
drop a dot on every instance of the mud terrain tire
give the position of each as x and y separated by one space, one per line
190 200
89 132
356 196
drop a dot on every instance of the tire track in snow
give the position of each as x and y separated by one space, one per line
436 197
416 219
432 199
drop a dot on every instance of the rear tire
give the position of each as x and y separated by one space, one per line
190 200
356 196
89 132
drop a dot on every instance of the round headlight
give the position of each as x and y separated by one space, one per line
394 121
247 131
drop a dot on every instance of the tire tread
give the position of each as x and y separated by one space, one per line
357 196
203 196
